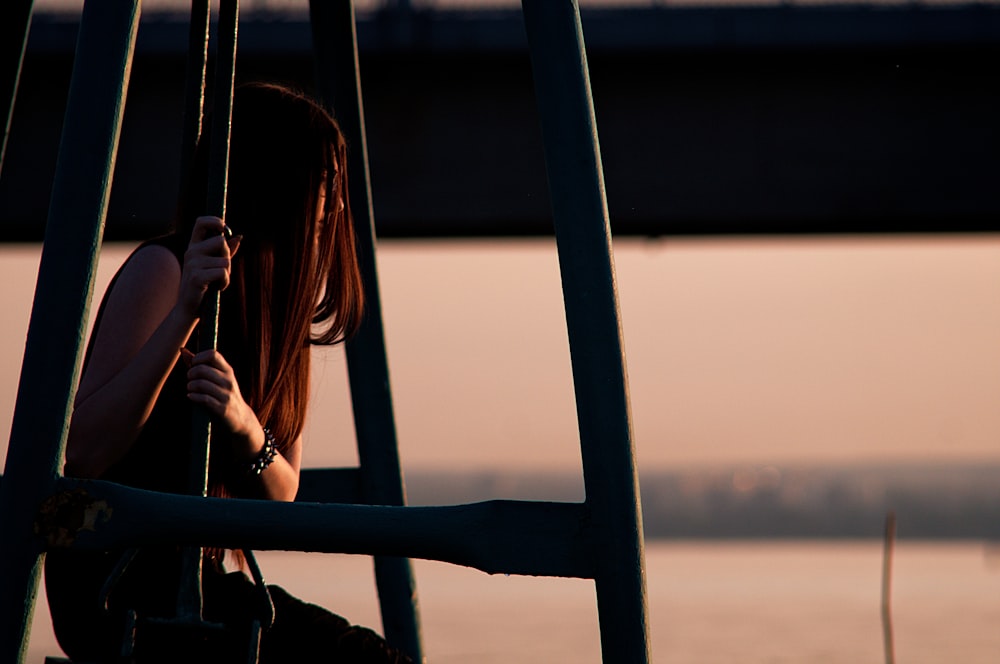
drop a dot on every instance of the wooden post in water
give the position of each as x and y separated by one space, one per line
62 299
888 548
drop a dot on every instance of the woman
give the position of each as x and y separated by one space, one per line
285 261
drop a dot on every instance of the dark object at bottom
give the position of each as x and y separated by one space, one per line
302 632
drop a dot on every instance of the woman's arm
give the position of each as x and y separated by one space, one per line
149 315
134 349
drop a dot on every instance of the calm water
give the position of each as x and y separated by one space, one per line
753 603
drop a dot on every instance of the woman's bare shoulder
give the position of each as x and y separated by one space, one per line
149 276
153 259
140 298
144 290
148 270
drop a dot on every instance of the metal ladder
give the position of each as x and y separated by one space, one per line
599 539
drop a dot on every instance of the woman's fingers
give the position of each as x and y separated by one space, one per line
214 230
213 276
214 244
201 378
208 262
213 358
208 372
206 391
211 248
212 383
207 226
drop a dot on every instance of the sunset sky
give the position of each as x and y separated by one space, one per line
837 350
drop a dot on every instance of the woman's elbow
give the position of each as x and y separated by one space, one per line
290 490
82 459
80 465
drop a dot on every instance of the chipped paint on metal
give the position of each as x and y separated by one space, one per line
63 516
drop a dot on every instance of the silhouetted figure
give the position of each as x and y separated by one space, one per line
285 261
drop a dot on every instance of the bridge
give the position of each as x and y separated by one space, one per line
784 118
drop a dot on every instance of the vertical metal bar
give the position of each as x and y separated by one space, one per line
215 204
62 299
222 113
583 237
189 596
336 51
194 83
15 15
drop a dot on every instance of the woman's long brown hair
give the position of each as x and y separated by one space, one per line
295 280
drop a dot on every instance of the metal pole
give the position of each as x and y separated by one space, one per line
194 83
336 50
62 299
583 237
15 15
189 598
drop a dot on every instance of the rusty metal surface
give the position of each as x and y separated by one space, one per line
63 516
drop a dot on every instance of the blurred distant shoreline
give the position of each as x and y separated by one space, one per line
931 501
942 501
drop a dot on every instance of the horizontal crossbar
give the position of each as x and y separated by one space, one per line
499 536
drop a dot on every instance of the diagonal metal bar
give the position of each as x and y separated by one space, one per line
15 16
512 537
583 238
336 52
62 298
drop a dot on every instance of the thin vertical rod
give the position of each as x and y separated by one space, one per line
222 102
336 51
583 238
888 548
16 16
194 84
189 598
63 292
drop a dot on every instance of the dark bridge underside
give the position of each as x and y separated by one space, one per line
712 121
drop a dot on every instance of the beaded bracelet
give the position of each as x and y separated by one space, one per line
266 455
